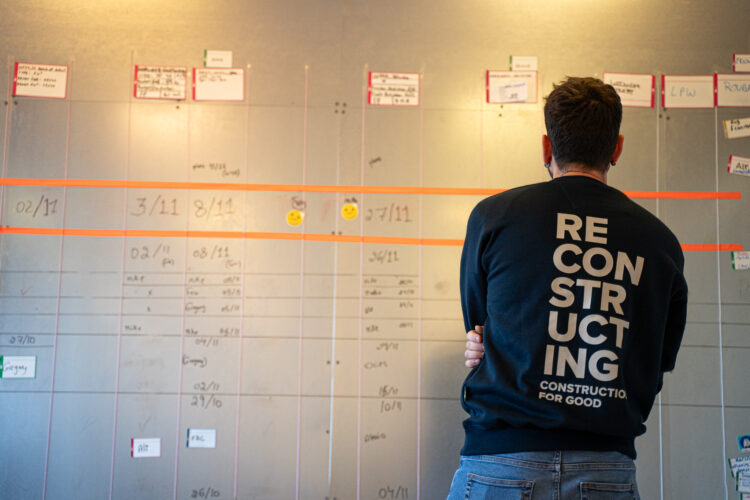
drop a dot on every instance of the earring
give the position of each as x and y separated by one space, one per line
546 165
612 163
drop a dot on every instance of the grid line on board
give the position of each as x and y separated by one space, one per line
122 297
59 292
318 237
322 188
718 298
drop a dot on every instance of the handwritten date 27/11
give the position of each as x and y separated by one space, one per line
393 212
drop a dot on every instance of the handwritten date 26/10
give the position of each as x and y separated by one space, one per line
207 492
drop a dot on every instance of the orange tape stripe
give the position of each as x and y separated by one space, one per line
684 195
712 247
144 233
341 238
223 186
320 188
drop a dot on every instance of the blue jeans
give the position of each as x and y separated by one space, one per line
546 475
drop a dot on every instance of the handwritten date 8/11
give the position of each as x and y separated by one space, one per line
159 205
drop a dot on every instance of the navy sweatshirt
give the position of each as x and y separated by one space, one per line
583 301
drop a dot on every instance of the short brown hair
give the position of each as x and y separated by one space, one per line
583 116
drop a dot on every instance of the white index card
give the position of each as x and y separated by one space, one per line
741 261
145 447
524 63
739 127
393 89
217 58
741 63
201 438
40 80
732 90
687 91
160 82
511 92
218 84
509 86
17 366
738 165
739 464
635 90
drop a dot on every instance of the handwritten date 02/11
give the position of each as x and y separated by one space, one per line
43 208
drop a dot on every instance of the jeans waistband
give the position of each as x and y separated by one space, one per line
559 460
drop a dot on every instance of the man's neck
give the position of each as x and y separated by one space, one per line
594 175
578 170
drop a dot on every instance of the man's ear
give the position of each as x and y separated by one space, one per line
618 149
547 150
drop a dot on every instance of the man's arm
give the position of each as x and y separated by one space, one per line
473 283
675 327
676 319
473 278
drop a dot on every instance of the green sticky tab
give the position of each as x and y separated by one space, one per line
1 367
733 260
510 63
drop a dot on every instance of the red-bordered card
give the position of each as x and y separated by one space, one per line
218 84
732 90
145 447
511 87
160 82
738 165
49 81
687 91
741 63
636 90
393 89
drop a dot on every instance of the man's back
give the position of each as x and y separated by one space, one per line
581 295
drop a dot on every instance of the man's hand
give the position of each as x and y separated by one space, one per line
474 348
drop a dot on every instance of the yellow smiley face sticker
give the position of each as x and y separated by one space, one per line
294 217
349 211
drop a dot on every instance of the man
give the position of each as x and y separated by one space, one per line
579 302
